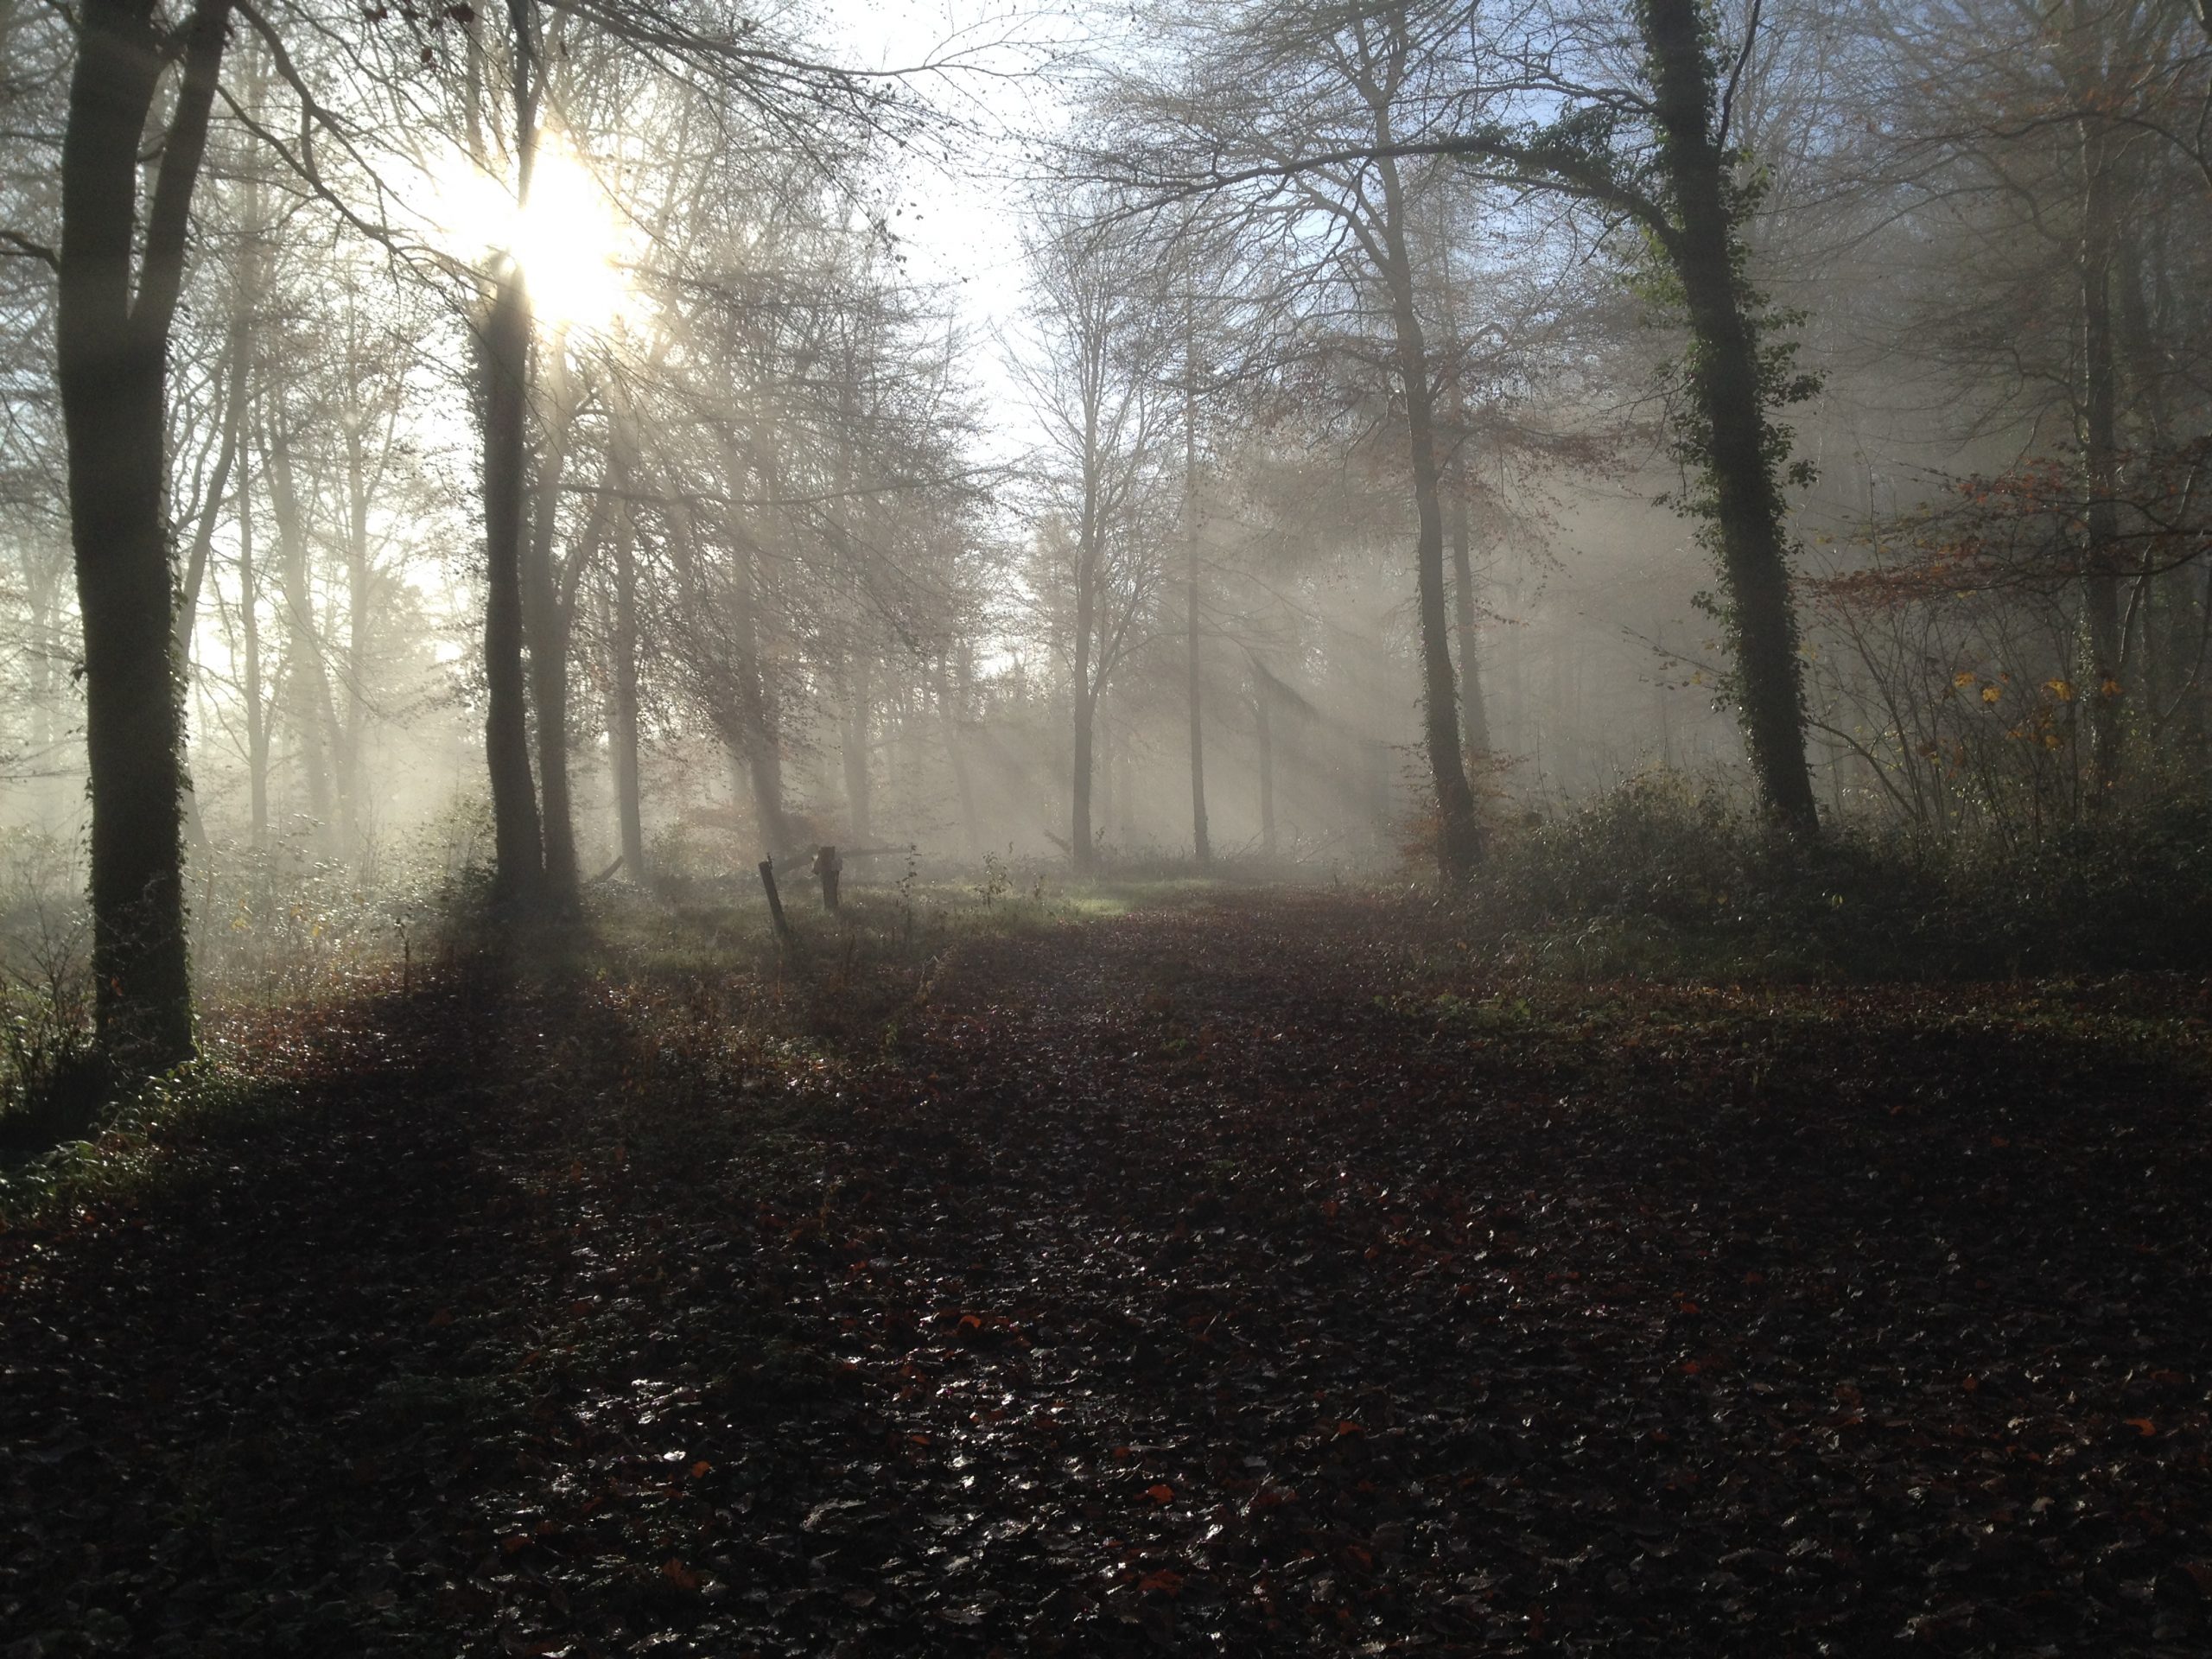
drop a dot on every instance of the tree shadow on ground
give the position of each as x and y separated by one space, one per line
1196 1284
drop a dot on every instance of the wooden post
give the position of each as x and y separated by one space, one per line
776 904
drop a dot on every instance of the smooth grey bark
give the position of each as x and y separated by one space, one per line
349 740
1458 835
256 708
1083 852
235 350
1201 842
854 748
1263 743
1474 716
951 711
622 676
757 705
306 694
1383 233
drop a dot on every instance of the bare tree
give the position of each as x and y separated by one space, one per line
1096 382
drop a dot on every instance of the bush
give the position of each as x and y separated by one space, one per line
51 1083
1663 877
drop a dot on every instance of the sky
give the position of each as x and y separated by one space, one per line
958 208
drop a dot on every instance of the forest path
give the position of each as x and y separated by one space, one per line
1232 1277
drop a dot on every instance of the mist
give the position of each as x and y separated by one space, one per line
1237 828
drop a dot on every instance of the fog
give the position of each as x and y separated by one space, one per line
621 445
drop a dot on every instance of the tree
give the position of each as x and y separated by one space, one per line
118 282
1541 102
1097 384
2060 180
1734 379
1311 106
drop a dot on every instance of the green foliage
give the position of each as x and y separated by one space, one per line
1782 384
52 1083
1661 877
1681 379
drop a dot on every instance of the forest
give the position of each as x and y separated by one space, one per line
979 828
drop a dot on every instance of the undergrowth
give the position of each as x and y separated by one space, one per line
694 982
1662 879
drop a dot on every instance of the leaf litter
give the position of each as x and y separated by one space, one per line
1241 1277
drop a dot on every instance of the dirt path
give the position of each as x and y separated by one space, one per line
1211 1281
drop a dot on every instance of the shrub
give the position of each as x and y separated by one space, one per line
1661 876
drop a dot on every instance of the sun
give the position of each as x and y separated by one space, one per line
567 236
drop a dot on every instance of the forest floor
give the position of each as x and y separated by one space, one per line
1243 1274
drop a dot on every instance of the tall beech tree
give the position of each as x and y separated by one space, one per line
119 276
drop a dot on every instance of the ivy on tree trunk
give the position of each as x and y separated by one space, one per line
117 298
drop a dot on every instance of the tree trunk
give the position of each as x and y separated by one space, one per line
226 453
951 713
854 748
760 739
546 631
519 878
112 351
1474 717
1109 810
1201 844
1263 738
1459 837
350 740
622 701
1082 850
1725 383
42 598
307 695
2101 574
257 710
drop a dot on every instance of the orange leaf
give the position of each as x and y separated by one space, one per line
2142 1426
679 1575
1168 1583
1162 1493
701 1469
